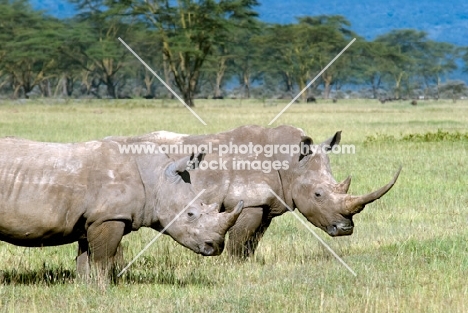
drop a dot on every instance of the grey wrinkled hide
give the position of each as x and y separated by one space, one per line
307 184
54 194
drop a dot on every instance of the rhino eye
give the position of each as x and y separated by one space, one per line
193 214
318 194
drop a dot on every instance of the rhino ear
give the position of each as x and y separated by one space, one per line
328 144
304 146
195 160
189 162
178 169
181 165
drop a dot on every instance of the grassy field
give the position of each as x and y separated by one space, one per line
409 249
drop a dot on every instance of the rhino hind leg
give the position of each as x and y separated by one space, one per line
104 241
246 232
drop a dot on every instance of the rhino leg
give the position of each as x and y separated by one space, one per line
252 243
82 260
119 261
241 243
104 240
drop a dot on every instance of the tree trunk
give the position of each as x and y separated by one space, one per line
187 91
246 86
109 82
217 89
69 82
288 82
94 88
398 79
45 88
375 86
167 74
149 82
192 89
60 83
327 79
16 91
326 91
374 91
188 99
302 85
66 83
85 83
219 77
27 89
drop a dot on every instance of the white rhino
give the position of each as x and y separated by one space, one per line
306 183
54 194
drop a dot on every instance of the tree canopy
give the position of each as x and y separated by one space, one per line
210 48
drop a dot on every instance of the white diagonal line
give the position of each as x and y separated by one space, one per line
312 81
162 81
316 236
159 234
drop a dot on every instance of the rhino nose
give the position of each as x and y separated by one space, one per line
208 248
340 229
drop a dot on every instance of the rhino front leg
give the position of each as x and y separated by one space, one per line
103 241
252 243
243 236
82 260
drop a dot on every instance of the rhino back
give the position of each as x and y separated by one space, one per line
49 192
228 186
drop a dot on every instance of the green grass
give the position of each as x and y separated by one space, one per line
409 249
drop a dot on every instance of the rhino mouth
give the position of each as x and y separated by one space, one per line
209 248
340 229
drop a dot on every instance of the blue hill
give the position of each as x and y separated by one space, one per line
442 20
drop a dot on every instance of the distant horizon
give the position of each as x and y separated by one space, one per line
443 21
447 21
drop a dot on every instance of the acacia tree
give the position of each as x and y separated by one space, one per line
328 35
29 46
408 53
236 57
439 60
246 62
145 42
188 31
464 52
374 62
299 51
91 41
283 50
217 65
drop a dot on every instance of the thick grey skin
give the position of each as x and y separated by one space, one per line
307 184
54 194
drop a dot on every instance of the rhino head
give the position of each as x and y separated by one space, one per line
324 202
200 227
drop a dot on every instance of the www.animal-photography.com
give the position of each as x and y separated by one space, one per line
233 156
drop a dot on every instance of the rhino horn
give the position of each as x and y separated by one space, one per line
231 217
343 187
355 204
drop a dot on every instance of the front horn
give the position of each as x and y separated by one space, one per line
355 204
